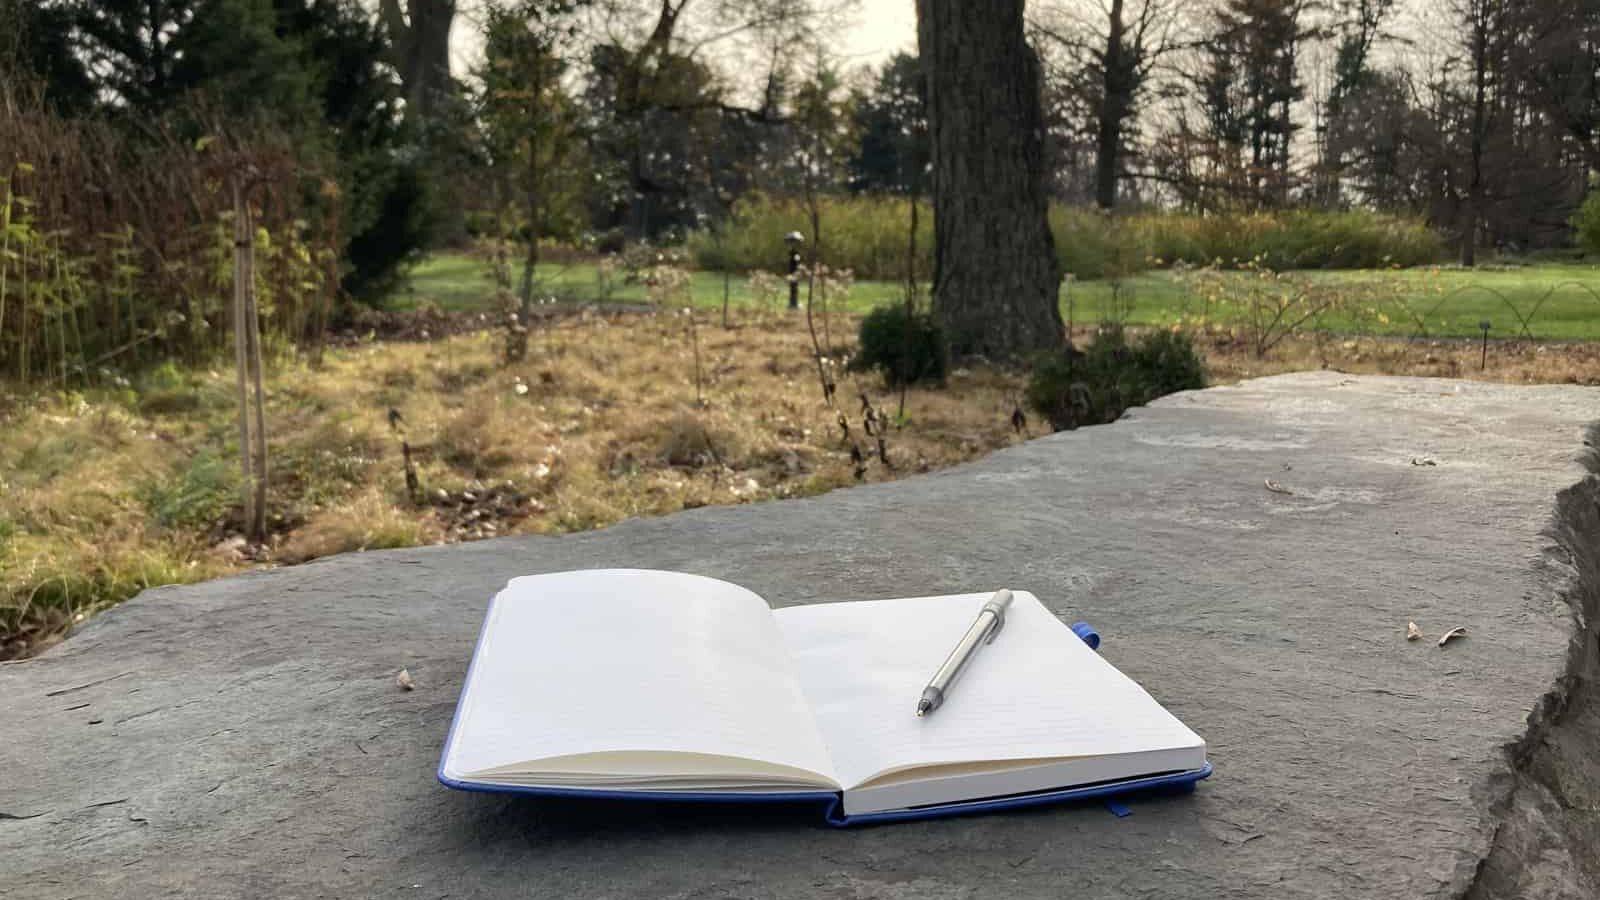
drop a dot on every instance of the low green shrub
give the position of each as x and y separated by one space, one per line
1586 222
1096 385
165 390
906 347
202 494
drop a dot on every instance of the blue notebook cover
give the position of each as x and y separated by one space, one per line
830 803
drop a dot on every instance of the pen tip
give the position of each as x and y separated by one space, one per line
922 708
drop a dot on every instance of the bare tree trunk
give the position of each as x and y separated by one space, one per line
22 316
811 295
694 342
530 261
814 211
241 354
1114 102
258 522
1480 93
995 269
247 361
911 305
530 265
420 36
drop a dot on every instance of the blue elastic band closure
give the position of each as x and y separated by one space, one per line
1086 631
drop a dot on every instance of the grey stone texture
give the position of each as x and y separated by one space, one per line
246 738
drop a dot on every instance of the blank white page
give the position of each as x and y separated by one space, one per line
614 660
1038 692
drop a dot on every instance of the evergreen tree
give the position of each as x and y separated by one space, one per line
36 49
1249 85
892 121
313 69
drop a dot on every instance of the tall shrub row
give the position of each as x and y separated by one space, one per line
868 236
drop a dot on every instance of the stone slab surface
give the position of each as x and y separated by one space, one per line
245 737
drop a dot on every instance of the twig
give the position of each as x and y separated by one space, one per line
59 692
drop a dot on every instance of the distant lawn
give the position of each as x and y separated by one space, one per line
459 282
1452 302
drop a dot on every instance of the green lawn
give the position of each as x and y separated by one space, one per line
459 282
1559 301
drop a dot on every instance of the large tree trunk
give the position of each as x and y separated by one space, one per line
995 275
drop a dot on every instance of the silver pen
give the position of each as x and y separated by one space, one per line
991 618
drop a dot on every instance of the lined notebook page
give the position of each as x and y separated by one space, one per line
1037 692
631 660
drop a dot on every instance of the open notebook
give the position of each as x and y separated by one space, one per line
623 682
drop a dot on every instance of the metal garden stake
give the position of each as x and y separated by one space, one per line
794 239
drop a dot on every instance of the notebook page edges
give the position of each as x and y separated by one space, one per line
1037 694
632 674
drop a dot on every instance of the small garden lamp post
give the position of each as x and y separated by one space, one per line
794 239
1483 360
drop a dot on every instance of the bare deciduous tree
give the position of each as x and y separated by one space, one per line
1117 45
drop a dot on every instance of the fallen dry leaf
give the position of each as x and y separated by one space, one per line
404 681
1452 633
1423 461
1413 632
1277 488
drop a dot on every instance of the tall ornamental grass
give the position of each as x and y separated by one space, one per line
115 251
868 236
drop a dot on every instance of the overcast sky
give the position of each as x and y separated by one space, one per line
884 26
881 28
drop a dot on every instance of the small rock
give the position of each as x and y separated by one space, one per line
233 549
1413 632
403 680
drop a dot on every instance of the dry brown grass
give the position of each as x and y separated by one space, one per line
1511 362
107 492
